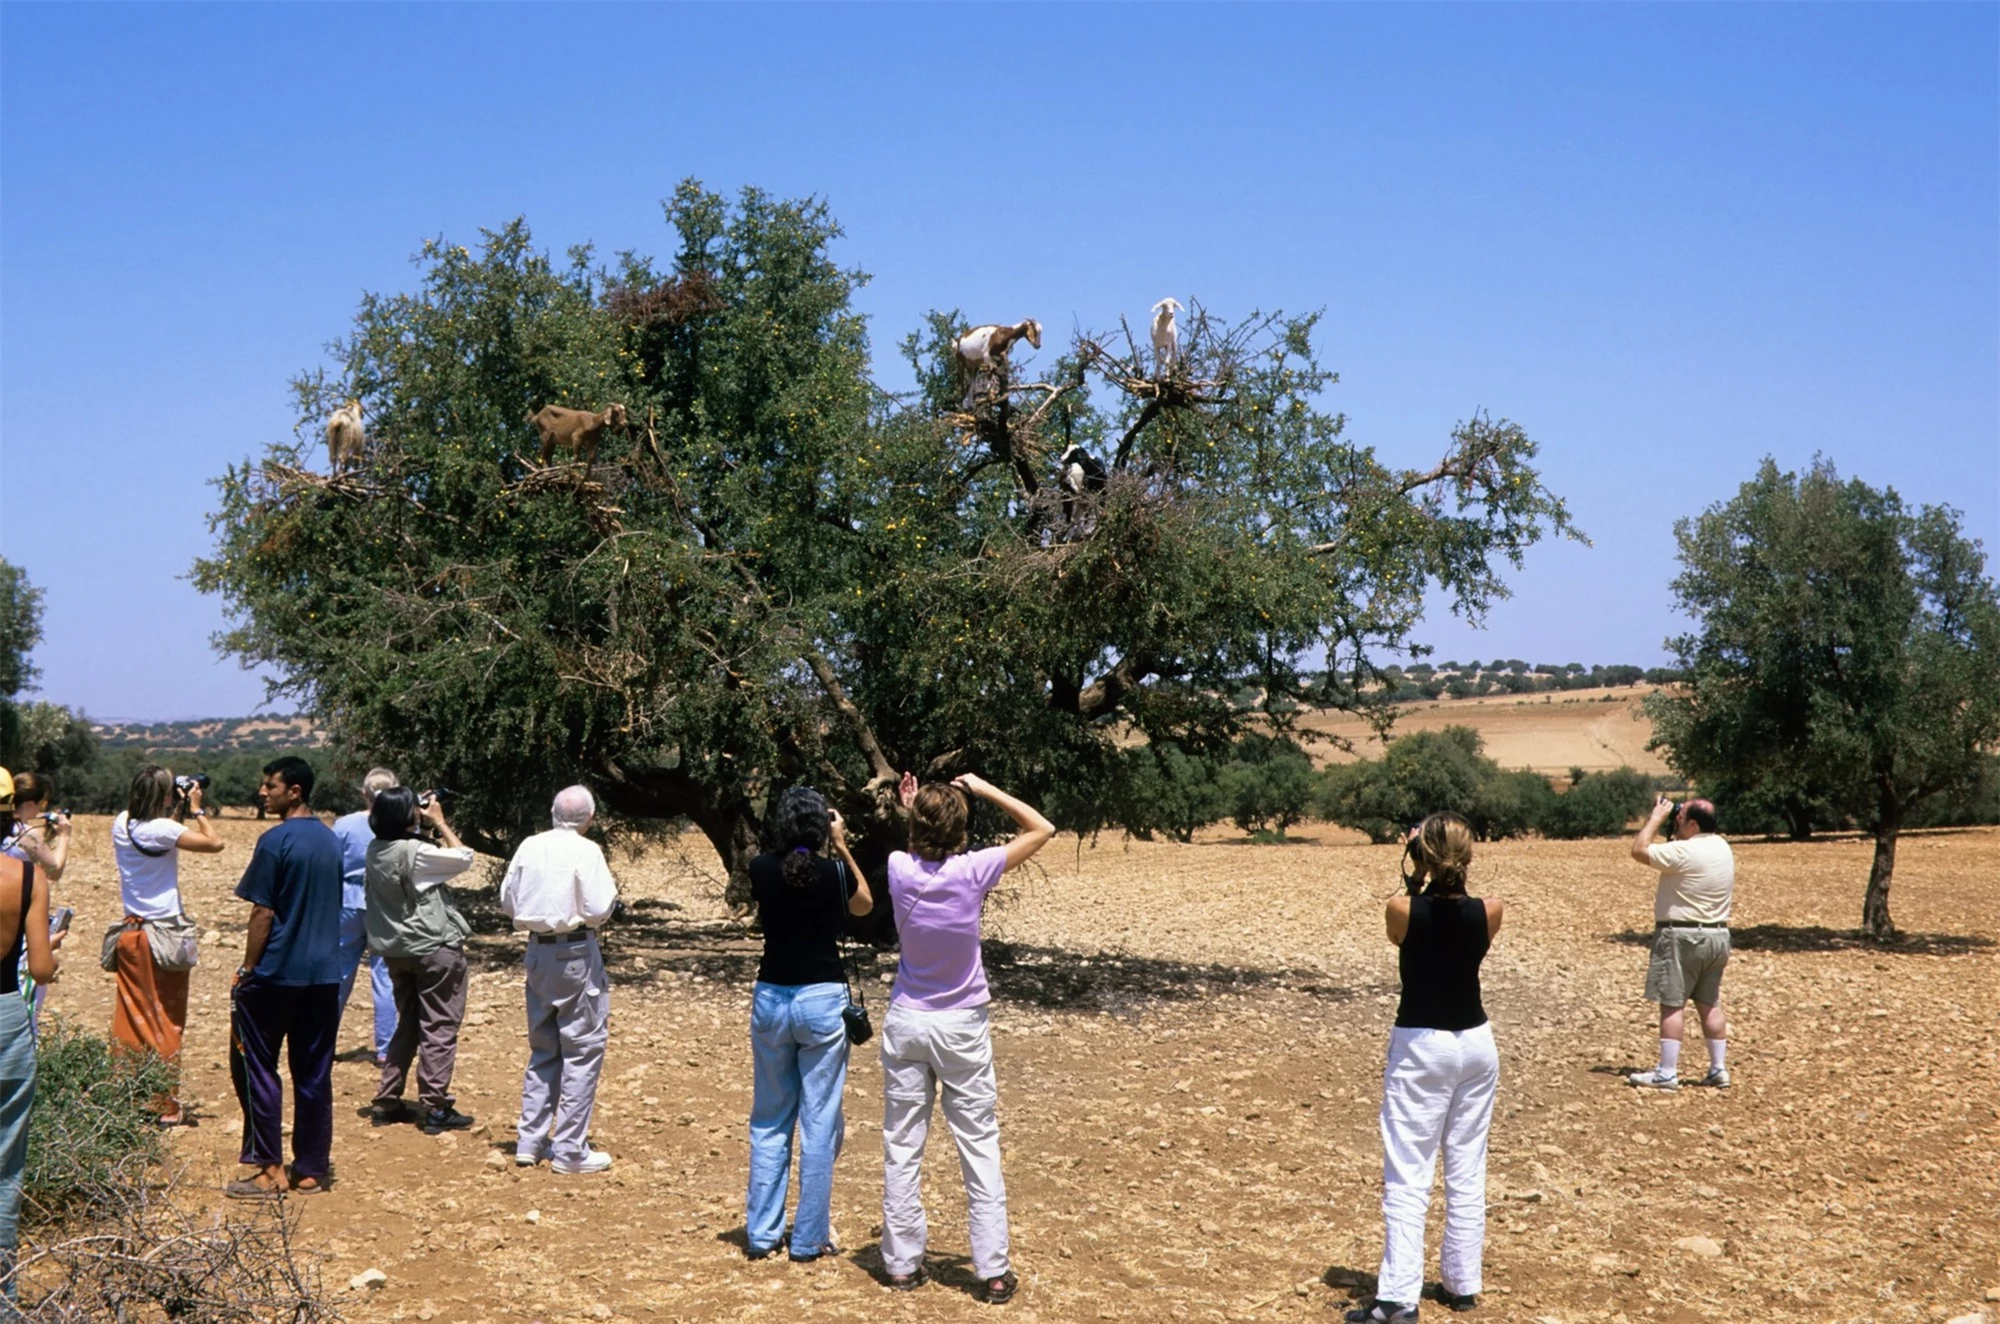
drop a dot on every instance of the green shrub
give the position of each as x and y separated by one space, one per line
1267 785
90 1129
1599 804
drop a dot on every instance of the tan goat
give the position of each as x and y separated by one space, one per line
575 430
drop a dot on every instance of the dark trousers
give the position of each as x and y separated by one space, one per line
430 1003
305 1019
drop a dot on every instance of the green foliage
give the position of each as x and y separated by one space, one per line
1600 804
90 1129
1421 773
1267 785
1160 789
20 631
784 574
1847 661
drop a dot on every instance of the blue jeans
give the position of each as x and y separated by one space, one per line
799 1045
17 1097
353 951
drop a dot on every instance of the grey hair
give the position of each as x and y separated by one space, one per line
377 781
574 807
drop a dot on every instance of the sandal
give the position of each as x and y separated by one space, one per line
907 1282
298 1184
999 1291
249 1188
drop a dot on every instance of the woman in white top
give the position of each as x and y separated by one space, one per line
149 1005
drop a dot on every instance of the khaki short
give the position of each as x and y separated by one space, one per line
1687 963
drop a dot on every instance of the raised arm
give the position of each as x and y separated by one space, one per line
200 835
49 851
862 901
1035 830
1661 808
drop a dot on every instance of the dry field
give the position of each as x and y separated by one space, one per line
1595 730
1189 1043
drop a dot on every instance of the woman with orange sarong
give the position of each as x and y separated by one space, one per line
149 1006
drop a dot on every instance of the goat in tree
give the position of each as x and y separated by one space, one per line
983 351
1080 473
344 436
575 430
1166 333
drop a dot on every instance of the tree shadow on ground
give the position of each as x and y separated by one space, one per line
1818 938
1055 979
646 940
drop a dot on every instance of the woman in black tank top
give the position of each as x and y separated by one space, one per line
24 924
1437 1092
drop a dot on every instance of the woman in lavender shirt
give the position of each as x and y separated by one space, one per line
936 1037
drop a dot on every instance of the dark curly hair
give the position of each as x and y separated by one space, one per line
800 825
937 822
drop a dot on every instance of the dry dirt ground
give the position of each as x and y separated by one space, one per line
1595 730
1189 1042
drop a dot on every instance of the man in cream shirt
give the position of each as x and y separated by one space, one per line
557 891
1690 934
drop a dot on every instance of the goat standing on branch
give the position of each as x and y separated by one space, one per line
1166 334
575 430
982 352
344 437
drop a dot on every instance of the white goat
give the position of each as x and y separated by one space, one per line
1166 334
344 437
984 349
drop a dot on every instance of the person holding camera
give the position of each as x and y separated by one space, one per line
798 1033
1690 934
1442 1073
287 991
24 926
37 835
355 836
163 817
420 936
937 1035
558 891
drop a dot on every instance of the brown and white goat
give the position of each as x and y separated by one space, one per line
345 439
983 350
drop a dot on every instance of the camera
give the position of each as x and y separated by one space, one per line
55 816
187 781
426 798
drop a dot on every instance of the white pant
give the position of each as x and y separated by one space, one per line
922 1050
569 1013
1438 1086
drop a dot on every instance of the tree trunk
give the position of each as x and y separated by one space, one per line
1799 821
1875 908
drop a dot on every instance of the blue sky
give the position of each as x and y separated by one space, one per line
1666 240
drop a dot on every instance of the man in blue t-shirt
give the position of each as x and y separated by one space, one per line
288 988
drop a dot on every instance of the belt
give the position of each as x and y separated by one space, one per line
1689 924
574 935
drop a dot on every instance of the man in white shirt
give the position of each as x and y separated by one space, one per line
1690 934
557 890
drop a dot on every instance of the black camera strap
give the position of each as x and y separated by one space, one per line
846 955
133 839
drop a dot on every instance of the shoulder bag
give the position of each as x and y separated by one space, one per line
855 1014
174 943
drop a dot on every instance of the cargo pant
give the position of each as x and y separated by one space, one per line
923 1053
569 1020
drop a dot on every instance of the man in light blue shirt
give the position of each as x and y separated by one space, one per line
355 834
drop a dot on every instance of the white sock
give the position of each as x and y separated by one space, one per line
1670 1056
1715 1052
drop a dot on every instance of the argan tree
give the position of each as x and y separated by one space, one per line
1848 656
20 631
783 573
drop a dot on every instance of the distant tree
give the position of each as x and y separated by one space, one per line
1598 804
1421 773
1848 655
57 742
20 631
780 573
1162 788
1267 784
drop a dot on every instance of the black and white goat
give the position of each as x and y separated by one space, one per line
1081 473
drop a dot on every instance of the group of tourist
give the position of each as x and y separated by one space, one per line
371 887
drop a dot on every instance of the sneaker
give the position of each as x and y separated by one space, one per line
1383 1312
447 1118
1453 1301
528 1158
594 1160
1717 1078
389 1112
1659 1078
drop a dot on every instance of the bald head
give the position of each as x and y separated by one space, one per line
1701 813
574 808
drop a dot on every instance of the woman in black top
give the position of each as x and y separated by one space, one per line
797 1037
1442 1073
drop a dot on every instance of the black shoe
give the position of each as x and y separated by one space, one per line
1451 1300
824 1252
999 1291
444 1119
1383 1312
389 1112
907 1282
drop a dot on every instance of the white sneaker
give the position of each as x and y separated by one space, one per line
529 1159
1659 1078
1717 1078
595 1160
